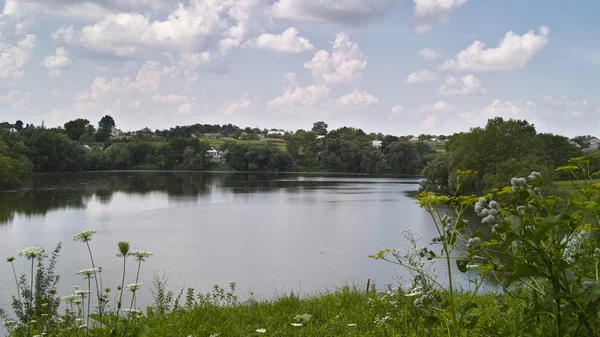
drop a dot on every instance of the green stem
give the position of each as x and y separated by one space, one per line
19 291
95 279
87 324
121 295
32 298
137 277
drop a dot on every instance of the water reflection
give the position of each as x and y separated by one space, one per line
47 192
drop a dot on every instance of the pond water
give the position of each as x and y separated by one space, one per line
271 234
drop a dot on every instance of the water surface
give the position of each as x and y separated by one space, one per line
270 234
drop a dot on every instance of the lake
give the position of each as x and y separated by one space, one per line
269 233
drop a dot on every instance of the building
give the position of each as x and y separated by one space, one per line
116 132
275 133
13 130
377 143
211 135
414 140
212 152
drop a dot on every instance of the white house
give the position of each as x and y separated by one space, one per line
413 140
13 130
377 143
116 132
275 133
320 136
212 152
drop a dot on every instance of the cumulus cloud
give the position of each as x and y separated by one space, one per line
16 98
184 109
14 57
509 109
439 106
422 76
429 54
397 109
286 42
297 97
466 85
169 99
430 12
514 51
186 29
238 105
343 66
357 98
346 12
248 16
58 62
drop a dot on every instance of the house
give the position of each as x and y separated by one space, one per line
275 133
13 130
109 148
211 135
87 147
575 144
414 140
377 143
212 152
320 136
116 132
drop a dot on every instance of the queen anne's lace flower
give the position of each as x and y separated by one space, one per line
141 256
84 236
88 272
32 253
134 286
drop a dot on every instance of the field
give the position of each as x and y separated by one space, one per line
437 146
218 143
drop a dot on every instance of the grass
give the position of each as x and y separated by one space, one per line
218 143
567 187
437 146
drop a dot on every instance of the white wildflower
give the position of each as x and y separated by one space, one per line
32 252
84 236
134 286
88 272
351 324
297 324
261 330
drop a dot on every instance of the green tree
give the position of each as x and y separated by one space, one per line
76 128
105 126
403 157
19 125
320 128
11 171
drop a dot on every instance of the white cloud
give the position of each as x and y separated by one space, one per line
344 65
184 109
238 105
191 61
514 51
439 106
286 42
297 97
16 98
346 12
357 98
397 109
248 15
14 57
509 109
429 54
169 99
430 12
466 85
57 62
186 29
422 76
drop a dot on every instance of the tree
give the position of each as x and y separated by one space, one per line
403 157
11 171
320 128
105 126
19 125
76 128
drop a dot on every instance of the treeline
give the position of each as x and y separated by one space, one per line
499 151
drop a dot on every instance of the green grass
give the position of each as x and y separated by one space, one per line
347 312
218 143
568 187
437 146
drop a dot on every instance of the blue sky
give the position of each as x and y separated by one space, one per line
398 67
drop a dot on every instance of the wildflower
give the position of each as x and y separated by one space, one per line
489 219
10 259
534 176
493 212
134 312
494 205
134 286
473 266
123 248
88 272
351 324
415 292
214 335
84 236
423 252
32 252
473 243
521 210
261 330
297 324
81 292
141 256
83 327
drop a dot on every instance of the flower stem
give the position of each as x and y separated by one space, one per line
121 294
137 277
96 280
31 300
17 283
87 324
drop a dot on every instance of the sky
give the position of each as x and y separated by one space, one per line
397 67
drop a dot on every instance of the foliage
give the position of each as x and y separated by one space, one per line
540 251
105 126
501 150
257 157
76 128
320 128
11 171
